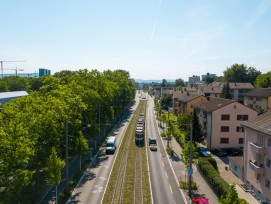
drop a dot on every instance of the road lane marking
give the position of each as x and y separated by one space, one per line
163 164
170 189
166 175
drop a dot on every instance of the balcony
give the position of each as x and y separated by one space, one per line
259 169
259 149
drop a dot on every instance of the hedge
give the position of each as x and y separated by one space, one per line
217 183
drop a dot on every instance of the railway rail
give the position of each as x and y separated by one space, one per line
129 177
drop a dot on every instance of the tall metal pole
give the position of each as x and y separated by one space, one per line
2 72
67 156
168 126
190 162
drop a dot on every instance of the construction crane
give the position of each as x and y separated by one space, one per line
16 70
2 72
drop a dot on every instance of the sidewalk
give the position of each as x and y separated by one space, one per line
181 173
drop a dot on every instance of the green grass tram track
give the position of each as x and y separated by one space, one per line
129 180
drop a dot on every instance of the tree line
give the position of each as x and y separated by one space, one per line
32 128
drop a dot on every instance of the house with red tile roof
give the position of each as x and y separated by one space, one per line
221 121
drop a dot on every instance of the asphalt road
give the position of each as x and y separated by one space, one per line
163 183
92 185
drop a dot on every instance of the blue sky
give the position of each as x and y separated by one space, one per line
152 39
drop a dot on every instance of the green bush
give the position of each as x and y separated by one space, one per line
212 162
218 184
169 151
184 185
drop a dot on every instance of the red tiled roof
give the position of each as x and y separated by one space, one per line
213 104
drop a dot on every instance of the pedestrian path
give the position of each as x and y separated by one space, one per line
181 173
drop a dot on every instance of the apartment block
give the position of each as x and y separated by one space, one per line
221 121
257 156
258 98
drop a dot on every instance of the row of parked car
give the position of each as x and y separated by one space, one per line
203 152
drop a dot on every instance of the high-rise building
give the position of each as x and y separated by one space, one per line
43 72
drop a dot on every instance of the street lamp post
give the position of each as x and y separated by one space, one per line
190 162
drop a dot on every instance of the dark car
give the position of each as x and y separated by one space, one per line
234 151
220 152
203 152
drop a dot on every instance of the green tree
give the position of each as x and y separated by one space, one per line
210 79
183 121
3 86
263 80
55 166
179 83
232 197
236 73
220 79
166 101
226 91
197 134
169 131
252 74
81 146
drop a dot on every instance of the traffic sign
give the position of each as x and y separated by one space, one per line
190 171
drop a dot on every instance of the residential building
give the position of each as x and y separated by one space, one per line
221 121
236 166
237 90
211 91
186 103
8 96
43 72
258 98
257 156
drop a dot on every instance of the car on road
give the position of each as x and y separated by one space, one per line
111 145
203 152
220 152
153 143
200 200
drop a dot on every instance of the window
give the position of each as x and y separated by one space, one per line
269 142
241 140
224 140
267 183
251 98
258 177
225 129
251 105
242 117
240 129
258 99
268 163
225 117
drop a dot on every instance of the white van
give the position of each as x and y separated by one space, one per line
111 145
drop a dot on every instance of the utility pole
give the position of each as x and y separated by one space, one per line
67 156
190 170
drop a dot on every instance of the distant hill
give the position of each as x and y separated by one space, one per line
146 81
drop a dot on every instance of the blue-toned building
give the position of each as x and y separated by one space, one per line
43 72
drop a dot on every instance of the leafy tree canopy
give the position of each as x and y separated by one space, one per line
263 80
179 83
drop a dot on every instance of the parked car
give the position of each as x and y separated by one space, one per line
203 152
220 152
200 200
234 151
